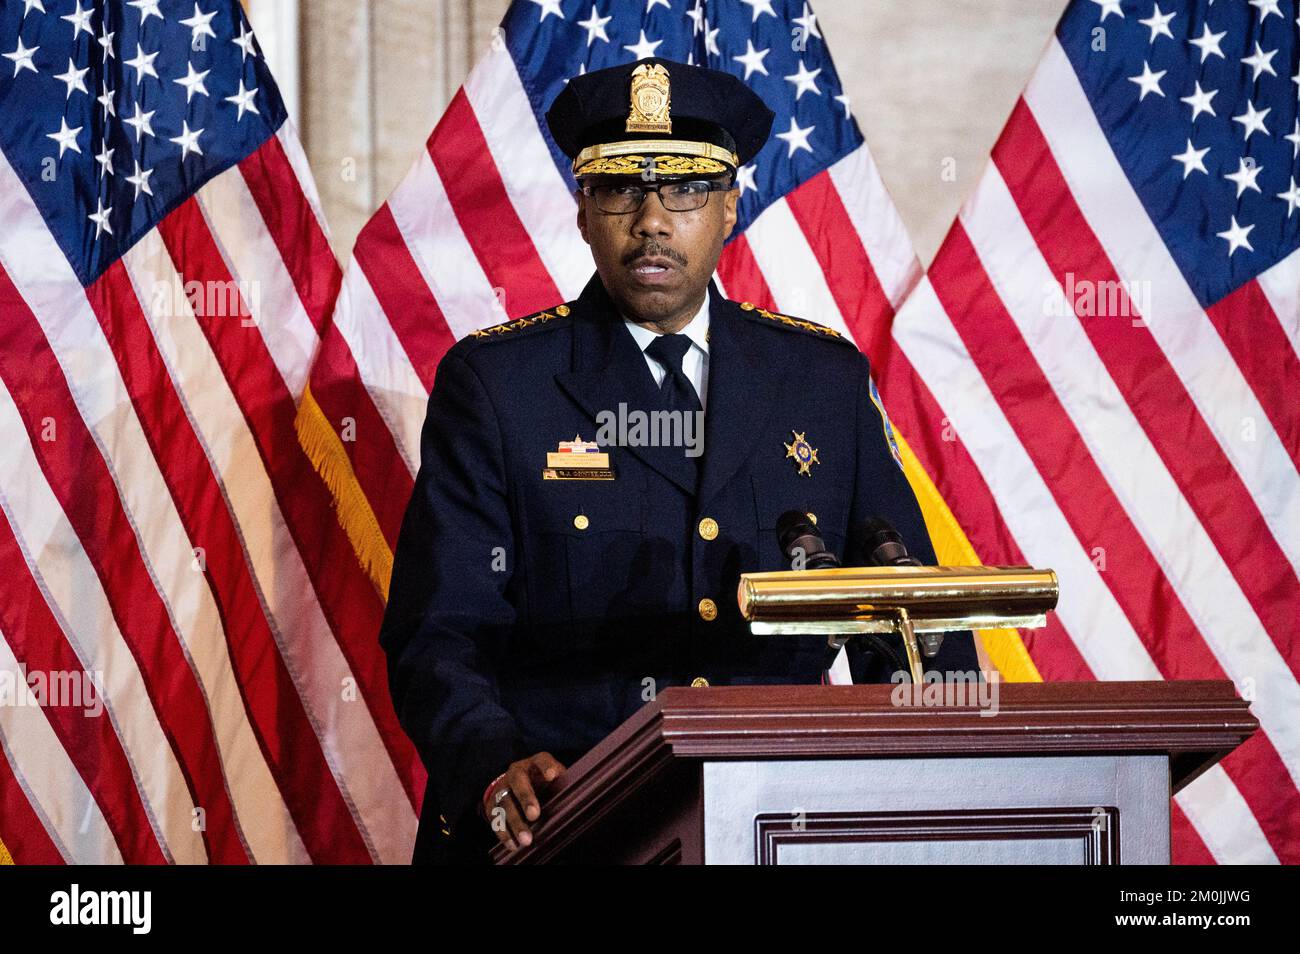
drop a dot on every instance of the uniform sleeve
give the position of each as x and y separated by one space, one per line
882 490
447 618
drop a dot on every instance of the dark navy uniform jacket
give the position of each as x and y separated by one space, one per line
513 628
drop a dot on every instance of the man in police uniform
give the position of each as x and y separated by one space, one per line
544 587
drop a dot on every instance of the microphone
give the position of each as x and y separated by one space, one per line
802 544
804 547
884 547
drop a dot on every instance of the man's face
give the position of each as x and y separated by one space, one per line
656 263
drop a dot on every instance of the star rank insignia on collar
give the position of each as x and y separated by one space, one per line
804 454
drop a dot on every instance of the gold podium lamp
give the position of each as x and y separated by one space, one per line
917 602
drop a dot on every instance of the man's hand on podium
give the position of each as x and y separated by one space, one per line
514 799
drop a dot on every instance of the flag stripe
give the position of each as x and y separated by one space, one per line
264 686
409 304
257 285
287 215
348 734
939 447
351 605
427 223
1255 765
877 226
293 153
1281 286
1253 334
859 297
1235 836
1087 608
72 594
89 495
491 226
739 271
165 546
290 216
1055 654
1189 849
538 193
1188 341
23 836
791 269
1089 503
35 640
376 357
1149 385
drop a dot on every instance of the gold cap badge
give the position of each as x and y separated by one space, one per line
650 100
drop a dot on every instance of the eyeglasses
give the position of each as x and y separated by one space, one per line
677 196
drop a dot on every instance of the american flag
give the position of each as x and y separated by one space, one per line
164 279
483 227
1109 338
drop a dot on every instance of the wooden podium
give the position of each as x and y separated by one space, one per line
1059 773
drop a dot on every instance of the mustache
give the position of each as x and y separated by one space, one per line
654 249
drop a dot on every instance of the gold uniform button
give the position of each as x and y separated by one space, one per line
581 521
708 610
747 306
562 310
708 528
699 682
813 517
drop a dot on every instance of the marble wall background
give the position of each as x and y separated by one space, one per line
931 82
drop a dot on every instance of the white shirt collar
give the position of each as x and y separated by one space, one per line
697 329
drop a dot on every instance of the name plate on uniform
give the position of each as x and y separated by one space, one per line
577 473
577 460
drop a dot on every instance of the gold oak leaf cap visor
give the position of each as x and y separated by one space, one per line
678 119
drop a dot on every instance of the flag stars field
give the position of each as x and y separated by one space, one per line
169 55
1159 23
200 25
23 58
1148 81
1252 93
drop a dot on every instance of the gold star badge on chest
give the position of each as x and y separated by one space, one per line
804 454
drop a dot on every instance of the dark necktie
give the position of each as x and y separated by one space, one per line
676 391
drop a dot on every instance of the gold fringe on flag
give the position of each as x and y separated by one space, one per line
1005 648
324 448
5 857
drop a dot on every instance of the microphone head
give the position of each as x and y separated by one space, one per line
878 530
801 544
882 545
792 525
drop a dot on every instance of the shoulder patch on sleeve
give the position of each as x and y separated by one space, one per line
519 324
793 324
884 419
